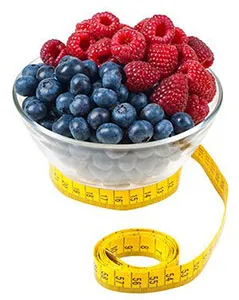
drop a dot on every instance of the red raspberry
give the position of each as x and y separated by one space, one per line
204 53
180 36
83 26
141 24
100 52
163 57
197 108
172 94
185 52
52 52
213 89
104 24
124 26
141 76
199 79
78 44
128 45
159 29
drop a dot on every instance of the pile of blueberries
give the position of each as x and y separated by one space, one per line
79 100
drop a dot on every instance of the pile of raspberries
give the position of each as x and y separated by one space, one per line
158 58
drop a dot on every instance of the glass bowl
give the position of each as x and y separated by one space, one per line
119 166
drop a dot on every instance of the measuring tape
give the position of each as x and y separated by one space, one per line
114 274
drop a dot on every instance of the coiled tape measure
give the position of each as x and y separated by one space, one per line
114 274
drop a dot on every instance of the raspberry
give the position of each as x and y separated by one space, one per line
83 26
141 24
100 52
199 79
78 44
180 36
213 89
52 52
128 45
104 24
204 53
124 26
159 29
141 76
163 57
197 108
185 52
172 94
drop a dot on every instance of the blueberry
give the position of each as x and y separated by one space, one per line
112 80
93 137
90 69
163 130
26 85
105 98
30 70
61 126
124 114
109 133
63 102
45 72
97 117
27 101
181 122
123 94
68 67
108 66
140 131
47 123
80 84
35 110
96 85
48 90
152 113
139 101
79 129
80 106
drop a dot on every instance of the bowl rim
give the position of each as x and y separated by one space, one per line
140 146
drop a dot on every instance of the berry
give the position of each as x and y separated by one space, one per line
210 94
159 29
27 101
181 122
48 90
141 76
105 98
80 84
83 26
47 123
52 52
172 94
139 27
78 44
90 69
104 24
197 108
139 101
152 113
61 126
124 114
180 37
163 130
109 133
122 94
79 129
140 131
100 52
204 53
112 80
163 57
30 70
93 137
97 117
26 85
96 85
45 72
63 102
185 52
109 66
128 45
35 110
80 106
67 68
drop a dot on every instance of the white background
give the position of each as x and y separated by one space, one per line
47 240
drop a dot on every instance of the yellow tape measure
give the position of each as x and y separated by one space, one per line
110 271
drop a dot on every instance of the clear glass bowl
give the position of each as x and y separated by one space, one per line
119 166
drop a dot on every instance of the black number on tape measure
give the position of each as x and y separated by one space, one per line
129 247
153 280
89 195
147 195
184 273
104 275
64 184
118 199
134 198
119 279
196 266
114 249
76 190
170 184
144 247
160 190
104 198
169 276
136 281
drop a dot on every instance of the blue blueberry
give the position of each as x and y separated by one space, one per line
182 122
80 129
35 110
26 85
140 131
67 68
152 113
80 106
109 66
123 94
80 84
30 70
47 123
93 137
112 80
45 72
90 69
48 90
105 98
27 101
96 85
109 133
139 101
61 126
63 102
163 130
97 117
124 114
